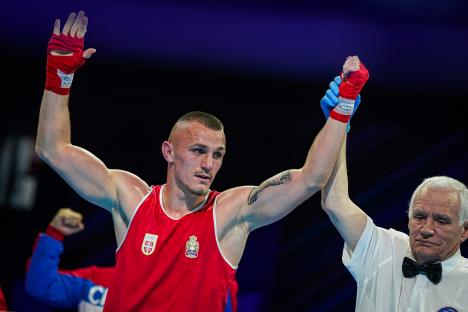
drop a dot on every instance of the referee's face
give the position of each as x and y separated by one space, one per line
435 232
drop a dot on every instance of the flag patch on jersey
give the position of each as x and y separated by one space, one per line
191 247
149 244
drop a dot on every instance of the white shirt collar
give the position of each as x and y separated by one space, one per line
447 265
452 262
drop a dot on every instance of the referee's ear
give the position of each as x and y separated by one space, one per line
465 231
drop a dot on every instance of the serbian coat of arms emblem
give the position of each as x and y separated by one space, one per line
149 244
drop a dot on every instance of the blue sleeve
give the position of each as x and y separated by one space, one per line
228 307
44 281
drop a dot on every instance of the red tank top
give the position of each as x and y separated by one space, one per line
165 264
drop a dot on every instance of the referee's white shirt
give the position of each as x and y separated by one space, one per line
376 266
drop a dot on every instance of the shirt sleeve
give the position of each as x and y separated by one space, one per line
3 305
46 283
374 248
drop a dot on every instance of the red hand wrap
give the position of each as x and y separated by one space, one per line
352 86
65 43
349 90
60 68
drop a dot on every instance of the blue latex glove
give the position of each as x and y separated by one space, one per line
330 100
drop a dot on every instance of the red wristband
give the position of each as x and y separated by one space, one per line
54 233
340 117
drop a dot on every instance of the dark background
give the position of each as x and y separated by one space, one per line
261 67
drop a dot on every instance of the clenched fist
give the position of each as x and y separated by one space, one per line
67 221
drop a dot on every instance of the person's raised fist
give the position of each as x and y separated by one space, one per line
67 221
354 76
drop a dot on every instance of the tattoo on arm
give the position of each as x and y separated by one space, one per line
282 178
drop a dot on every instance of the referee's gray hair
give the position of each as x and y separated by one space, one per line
445 183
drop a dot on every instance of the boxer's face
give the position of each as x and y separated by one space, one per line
434 230
196 156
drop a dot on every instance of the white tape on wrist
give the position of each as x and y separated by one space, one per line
345 106
66 79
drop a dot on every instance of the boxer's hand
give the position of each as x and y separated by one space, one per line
65 53
67 221
354 76
330 100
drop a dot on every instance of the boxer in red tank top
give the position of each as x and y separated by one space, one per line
175 264
179 247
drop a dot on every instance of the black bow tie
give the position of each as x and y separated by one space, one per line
411 268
